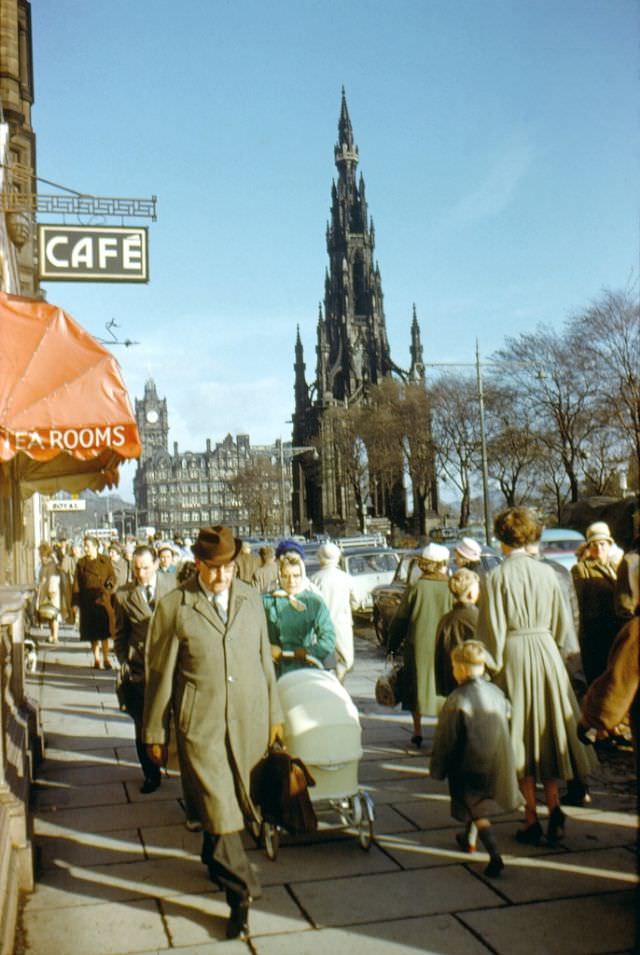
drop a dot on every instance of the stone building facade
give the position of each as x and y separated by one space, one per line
176 492
352 355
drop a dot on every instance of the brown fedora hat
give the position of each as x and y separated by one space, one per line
216 545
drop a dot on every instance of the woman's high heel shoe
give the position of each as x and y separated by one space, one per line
531 836
555 829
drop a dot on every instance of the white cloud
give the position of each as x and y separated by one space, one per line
499 184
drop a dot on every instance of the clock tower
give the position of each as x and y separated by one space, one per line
152 421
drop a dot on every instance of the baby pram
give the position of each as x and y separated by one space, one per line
322 728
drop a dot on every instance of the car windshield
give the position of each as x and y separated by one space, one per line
359 564
568 546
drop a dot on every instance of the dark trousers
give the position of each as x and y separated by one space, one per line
135 709
229 867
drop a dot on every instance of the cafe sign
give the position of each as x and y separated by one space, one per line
93 253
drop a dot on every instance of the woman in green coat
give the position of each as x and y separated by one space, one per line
298 619
414 629
523 623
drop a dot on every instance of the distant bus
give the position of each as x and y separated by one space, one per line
102 533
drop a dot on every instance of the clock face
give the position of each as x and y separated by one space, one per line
152 416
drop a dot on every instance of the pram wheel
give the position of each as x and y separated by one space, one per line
365 822
271 839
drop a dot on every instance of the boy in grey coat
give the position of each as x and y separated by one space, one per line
472 749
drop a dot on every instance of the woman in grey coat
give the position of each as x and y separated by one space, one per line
523 623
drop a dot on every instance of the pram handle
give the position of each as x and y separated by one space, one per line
312 661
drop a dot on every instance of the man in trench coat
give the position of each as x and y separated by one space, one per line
208 656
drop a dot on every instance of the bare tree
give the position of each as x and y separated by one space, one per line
513 446
257 489
397 433
456 434
608 336
545 367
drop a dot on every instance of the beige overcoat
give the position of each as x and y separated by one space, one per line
220 681
523 623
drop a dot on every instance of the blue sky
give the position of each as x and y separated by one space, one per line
498 141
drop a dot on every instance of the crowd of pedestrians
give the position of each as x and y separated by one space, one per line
535 634
201 636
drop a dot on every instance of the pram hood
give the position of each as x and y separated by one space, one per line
322 726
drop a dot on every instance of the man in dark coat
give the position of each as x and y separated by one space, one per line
208 656
133 606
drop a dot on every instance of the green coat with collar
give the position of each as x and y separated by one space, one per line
220 681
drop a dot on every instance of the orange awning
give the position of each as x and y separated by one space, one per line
66 422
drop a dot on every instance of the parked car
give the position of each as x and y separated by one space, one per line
560 544
386 598
369 568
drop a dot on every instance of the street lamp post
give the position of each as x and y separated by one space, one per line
483 450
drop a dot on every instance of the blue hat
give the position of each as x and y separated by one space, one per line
287 546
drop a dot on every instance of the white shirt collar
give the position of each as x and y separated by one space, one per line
222 600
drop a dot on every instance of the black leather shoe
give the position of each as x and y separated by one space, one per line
555 829
238 924
531 836
150 785
495 867
417 740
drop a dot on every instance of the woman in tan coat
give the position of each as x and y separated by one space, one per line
523 623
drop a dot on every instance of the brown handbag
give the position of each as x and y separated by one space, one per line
280 787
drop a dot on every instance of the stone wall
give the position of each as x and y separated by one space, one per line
19 746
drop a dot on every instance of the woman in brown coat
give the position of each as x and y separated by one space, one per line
92 587
594 578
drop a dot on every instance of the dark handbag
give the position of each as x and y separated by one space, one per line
389 684
280 787
126 690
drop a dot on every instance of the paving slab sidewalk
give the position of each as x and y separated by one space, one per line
118 873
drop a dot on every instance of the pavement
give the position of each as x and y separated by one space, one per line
118 873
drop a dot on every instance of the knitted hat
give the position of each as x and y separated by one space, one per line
288 546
